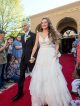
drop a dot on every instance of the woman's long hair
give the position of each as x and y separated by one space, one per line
52 33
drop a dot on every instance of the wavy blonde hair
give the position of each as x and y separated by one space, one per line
52 33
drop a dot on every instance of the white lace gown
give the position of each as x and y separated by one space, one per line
48 85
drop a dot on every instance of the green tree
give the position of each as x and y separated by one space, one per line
11 15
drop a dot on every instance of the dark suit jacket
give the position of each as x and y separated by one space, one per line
27 46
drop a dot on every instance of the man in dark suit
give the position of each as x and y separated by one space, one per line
28 40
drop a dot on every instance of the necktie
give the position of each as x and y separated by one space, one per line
26 37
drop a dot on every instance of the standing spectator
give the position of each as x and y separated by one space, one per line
74 52
76 41
78 52
17 48
3 57
9 52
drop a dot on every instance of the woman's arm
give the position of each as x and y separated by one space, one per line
35 45
3 47
18 47
57 48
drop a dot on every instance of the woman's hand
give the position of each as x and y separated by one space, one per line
6 45
32 59
58 54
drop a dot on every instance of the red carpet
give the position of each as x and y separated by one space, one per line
5 97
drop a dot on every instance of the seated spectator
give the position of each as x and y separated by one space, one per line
13 70
76 82
75 102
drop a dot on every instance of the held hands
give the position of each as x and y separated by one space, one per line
32 59
58 54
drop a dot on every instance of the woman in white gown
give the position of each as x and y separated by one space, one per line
48 85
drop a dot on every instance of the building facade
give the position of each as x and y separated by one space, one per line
63 18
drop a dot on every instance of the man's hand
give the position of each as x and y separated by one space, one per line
32 59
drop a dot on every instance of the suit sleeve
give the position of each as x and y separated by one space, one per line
34 38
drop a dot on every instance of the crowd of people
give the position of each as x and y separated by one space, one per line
38 53
76 74
10 57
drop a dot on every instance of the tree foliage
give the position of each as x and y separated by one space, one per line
11 15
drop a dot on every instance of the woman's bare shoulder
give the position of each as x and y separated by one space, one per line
39 33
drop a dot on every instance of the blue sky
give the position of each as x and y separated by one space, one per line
32 7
